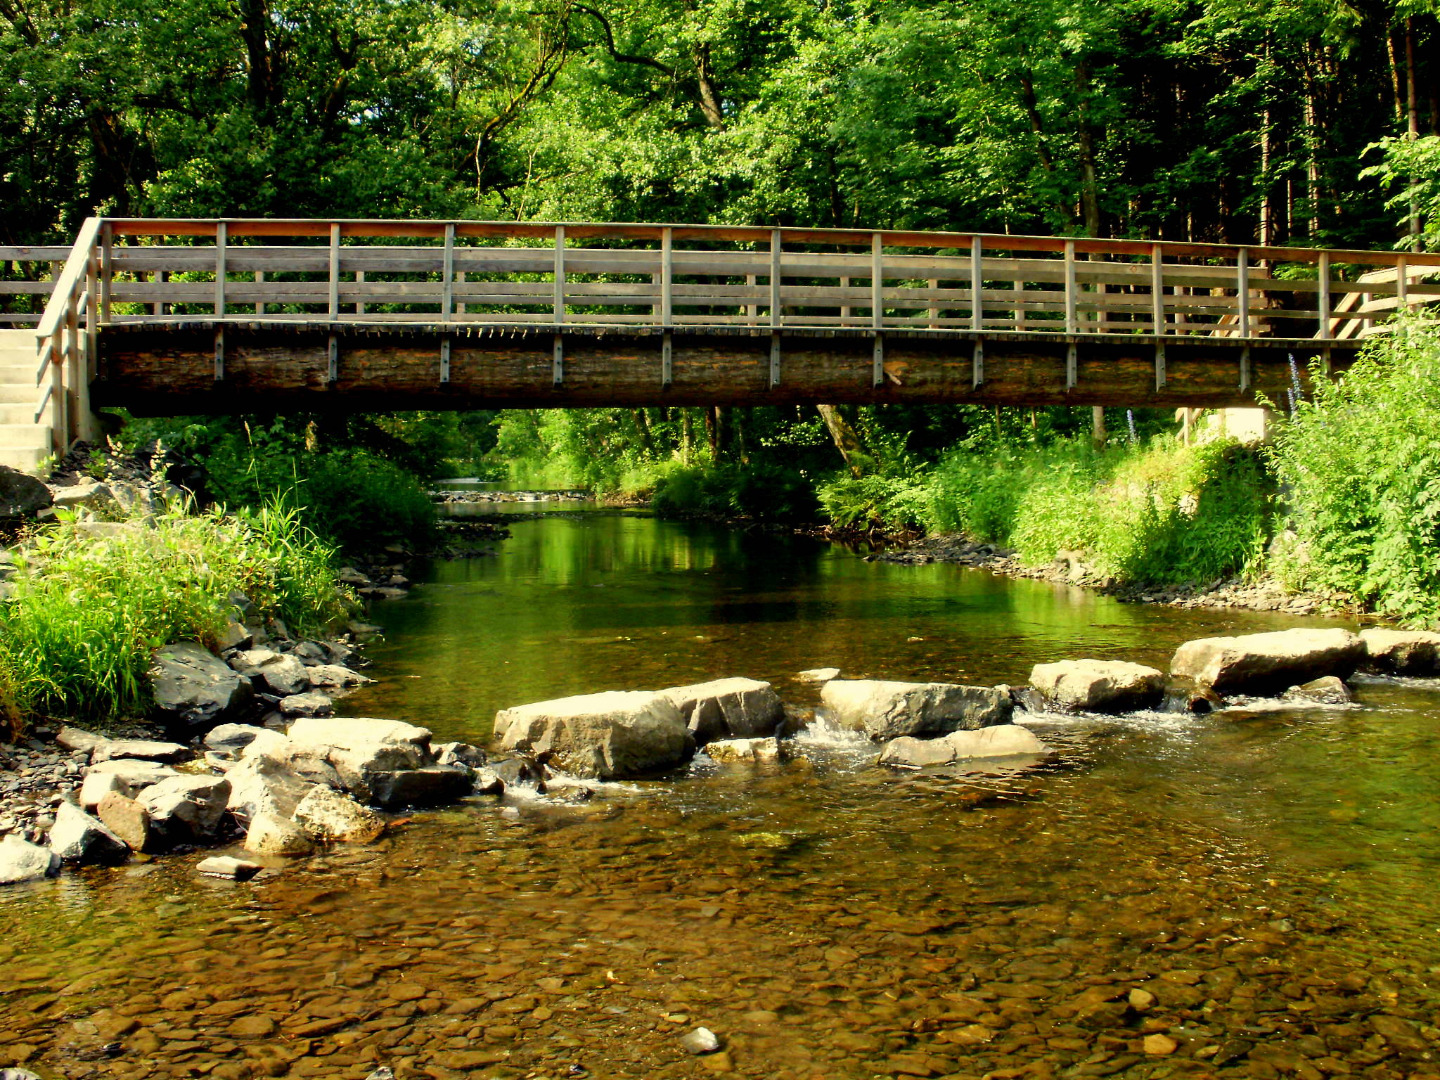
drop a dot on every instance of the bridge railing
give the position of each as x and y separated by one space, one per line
690 276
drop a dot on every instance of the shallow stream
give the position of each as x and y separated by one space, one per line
1264 880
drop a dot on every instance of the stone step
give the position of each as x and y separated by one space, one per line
25 458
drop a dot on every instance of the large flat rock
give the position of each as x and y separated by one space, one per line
1402 652
1268 663
998 741
358 747
728 708
1111 686
887 710
614 735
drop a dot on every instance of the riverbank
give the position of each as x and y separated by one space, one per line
1265 594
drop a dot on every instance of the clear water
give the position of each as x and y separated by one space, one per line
1266 876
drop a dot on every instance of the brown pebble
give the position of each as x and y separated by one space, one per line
1159 1045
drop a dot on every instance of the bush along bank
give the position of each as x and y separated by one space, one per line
121 609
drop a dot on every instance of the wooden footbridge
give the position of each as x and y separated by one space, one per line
208 316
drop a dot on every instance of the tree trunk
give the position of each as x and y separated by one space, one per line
687 436
846 441
1412 122
642 425
1089 174
1097 426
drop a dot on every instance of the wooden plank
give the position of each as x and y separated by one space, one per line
447 275
776 312
107 254
334 270
1157 288
1071 287
69 278
220 271
559 301
1242 291
977 285
1322 306
667 277
877 283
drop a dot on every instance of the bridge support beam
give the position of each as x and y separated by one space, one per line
268 367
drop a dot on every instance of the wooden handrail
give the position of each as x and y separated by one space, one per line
756 234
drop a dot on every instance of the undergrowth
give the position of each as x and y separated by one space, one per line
87 610
1361 463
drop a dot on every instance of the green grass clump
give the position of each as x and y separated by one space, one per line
77 634
1361 467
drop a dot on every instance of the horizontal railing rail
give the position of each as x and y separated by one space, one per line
696 276
27 277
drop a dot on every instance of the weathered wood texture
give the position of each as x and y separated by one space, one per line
218 315
150 371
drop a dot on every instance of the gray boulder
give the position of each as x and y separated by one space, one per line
228 867
610 736
728 708
1402 652
1110 686
278 673
76 837
1324 691
92 496
194 688
336 677
232 737
358 747
185 808
432 785
459 753
744 751
126 776
886 710
310 703
74 738
329 817
1001 740
263 784
23 861
21 495
142 750
270 834
1268 663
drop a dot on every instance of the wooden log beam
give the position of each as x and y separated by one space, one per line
159 371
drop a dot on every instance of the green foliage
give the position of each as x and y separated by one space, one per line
889 502
1153 512
1361 463
763 492
1410 168
76 636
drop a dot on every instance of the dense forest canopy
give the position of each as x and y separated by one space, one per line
1218 120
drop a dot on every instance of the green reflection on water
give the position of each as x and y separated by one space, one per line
578 604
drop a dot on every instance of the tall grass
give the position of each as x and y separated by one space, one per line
1153 512
1361 467
77 634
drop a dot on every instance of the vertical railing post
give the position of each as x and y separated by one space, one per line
107 268
221 239
157 306
447 275
845 303
1242 302
877 307
334 297
1157 311
667 306
977 311
1322 299
776 309
1402 284
221 243
557 363
83 425
1072 358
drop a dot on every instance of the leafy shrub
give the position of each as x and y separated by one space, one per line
764 491
1361 463
76 636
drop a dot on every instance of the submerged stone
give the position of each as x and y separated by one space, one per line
996 741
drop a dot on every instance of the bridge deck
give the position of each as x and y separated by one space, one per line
212 315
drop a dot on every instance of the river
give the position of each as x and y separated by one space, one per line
1249 893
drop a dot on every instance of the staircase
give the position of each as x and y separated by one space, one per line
23 442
